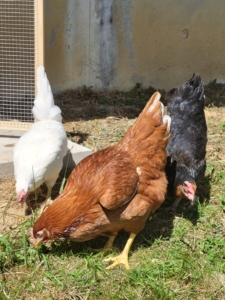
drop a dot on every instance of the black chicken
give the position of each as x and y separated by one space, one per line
186 149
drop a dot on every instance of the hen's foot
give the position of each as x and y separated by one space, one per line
120 259
107 249
123 257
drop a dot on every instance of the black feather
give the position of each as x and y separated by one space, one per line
188 137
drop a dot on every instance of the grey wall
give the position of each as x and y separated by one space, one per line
113 44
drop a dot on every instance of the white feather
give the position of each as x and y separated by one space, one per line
156 100
38 154
44 106
167 119
162 109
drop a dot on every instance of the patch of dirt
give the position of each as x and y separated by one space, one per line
216 134
215 112
11 214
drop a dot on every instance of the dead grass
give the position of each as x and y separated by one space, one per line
98 133
10 213
174 257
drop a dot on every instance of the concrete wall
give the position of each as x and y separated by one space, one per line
113 44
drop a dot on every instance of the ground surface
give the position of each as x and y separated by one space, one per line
174 257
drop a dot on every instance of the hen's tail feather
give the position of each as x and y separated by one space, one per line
156 108
167 119
151 118
193 88
44 106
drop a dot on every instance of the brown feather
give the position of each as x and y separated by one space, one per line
116 188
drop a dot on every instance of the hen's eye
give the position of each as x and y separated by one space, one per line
39 235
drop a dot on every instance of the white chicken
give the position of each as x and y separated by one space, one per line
38 154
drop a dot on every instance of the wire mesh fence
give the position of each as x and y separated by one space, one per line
17 59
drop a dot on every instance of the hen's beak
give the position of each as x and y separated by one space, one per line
194 200
35 241
190 196
36 244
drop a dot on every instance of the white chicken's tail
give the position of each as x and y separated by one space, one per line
44 106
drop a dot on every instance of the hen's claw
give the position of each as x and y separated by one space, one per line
104 250
120 259
107 249
123 257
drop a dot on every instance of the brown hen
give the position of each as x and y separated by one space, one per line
113 189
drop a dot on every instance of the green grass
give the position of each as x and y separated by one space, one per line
188 264
174 257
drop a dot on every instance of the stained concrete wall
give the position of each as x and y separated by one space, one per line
113 44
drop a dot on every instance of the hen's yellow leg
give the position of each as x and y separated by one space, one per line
49 193
108 246
48 201
123 257
110 241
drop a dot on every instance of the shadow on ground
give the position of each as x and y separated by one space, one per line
159 225
86 104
